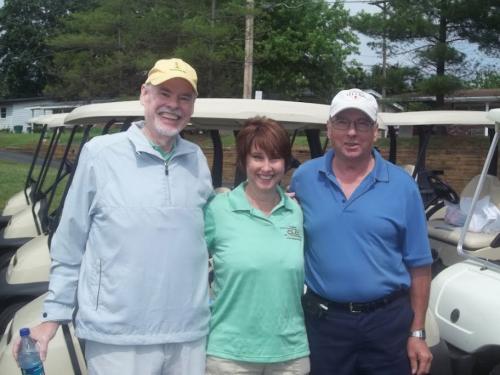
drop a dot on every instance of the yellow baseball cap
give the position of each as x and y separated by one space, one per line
166 69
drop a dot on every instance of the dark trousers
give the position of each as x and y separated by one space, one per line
366 343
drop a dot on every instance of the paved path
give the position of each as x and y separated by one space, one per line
18 157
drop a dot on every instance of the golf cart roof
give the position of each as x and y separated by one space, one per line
494 115
103 112
215 113
230 114
460 118
52 121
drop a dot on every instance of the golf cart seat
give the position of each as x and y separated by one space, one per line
444 237
409 168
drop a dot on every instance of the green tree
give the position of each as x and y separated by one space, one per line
356 76
104 52
434 26
25 57
398 79
213 41
301 49
486 79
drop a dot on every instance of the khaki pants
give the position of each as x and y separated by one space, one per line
221 366
187 358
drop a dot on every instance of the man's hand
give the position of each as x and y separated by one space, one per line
42 334
420 356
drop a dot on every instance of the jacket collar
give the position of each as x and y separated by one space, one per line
142 144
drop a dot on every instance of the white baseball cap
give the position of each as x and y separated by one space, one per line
356 99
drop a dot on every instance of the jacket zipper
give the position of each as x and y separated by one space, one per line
167 182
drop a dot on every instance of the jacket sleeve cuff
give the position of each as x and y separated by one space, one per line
53 312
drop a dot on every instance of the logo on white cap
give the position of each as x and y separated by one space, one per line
355 99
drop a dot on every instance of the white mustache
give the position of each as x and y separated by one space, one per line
169 111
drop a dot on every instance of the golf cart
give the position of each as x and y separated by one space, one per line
433 189
443 237
24 275
213 115
26 197
65 354
31 220
465 295
27 221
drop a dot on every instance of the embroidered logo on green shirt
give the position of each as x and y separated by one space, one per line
292 233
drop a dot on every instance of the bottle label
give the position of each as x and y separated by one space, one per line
37 370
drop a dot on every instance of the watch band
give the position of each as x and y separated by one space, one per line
419 333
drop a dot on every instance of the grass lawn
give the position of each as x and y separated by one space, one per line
24 140
28 141
13 176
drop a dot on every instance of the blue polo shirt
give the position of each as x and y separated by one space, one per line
360 249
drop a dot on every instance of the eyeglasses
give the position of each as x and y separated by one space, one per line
361 125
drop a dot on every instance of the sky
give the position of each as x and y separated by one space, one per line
368 57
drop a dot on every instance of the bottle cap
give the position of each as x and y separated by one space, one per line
24 332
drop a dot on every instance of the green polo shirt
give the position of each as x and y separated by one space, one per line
165 155
258 279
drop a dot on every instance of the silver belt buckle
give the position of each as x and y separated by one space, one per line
353 309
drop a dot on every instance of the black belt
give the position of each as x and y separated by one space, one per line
354 307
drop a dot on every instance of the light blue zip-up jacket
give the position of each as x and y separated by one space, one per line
129 255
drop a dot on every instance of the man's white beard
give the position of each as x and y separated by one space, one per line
166 132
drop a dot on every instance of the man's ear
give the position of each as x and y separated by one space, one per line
376 133
144 91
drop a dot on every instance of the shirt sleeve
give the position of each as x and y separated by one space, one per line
208 191
69 241
209 227
417 251
293 183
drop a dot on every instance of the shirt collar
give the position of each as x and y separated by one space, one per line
238 200
379 172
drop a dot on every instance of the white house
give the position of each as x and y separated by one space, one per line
15 113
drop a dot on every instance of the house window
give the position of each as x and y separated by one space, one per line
3 112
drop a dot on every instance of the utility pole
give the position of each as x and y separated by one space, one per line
383 6
248 68
211 59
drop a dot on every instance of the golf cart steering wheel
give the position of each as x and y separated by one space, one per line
443 190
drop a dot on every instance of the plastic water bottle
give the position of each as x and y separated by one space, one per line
29 357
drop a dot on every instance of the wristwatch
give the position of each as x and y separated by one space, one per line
419 333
